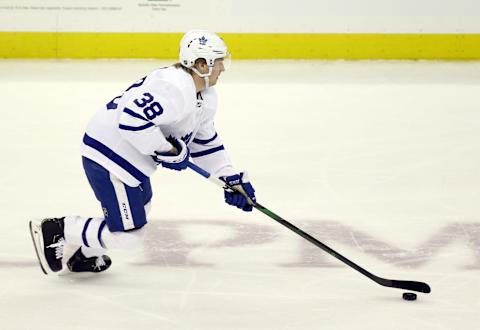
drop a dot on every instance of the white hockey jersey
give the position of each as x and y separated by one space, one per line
124 134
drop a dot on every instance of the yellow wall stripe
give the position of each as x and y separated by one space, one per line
243 46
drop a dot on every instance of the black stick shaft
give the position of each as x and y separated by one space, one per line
407 285
400 284
311 239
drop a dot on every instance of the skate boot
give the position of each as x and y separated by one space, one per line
48 240
79 263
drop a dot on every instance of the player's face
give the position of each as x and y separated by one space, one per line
217 69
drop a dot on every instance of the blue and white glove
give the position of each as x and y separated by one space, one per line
242 189
177 161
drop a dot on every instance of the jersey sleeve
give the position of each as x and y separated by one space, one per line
142 114
207 150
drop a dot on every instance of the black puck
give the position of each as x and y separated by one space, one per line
409 296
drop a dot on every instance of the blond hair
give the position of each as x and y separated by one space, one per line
179 65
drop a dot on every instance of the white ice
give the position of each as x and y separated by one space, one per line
379 160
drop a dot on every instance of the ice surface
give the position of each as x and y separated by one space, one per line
379 160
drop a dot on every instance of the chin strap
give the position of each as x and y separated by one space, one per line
205 76
207 82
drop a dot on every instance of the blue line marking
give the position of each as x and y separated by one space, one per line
206 152
135 128
84 232
134 114
199 141
114 157
99 236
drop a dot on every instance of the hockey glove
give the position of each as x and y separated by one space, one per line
242 195
176 162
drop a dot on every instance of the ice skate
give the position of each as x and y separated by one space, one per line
80 263
48 240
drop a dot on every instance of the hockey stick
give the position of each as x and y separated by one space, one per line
407 285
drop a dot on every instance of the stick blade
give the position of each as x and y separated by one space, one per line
407 285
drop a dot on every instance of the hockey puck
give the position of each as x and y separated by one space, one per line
409 296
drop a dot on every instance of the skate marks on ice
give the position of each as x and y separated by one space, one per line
197 243
19 264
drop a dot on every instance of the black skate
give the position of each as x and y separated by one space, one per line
48 240
79 263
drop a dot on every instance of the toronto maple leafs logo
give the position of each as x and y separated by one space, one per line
203 41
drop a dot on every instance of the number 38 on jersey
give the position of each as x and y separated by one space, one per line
151 108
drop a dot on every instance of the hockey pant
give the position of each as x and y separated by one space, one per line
125 211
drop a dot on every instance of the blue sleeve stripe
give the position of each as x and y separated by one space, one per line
206 152
135 128
114 157
134 114
205 141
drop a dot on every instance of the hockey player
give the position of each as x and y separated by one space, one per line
164 119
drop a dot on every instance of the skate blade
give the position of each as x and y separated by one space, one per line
37 240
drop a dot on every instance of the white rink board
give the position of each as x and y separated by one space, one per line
230 16
379 160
